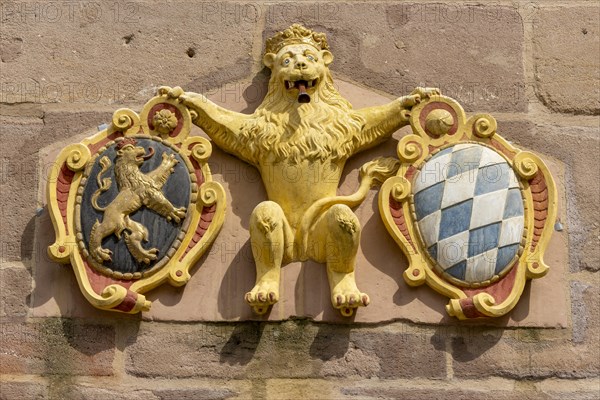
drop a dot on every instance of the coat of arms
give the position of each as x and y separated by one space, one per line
134 205
472 213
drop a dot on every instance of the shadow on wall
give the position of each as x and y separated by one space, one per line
330 342
46 274
241 345
468 343
28 253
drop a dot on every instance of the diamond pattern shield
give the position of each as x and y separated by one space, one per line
469 211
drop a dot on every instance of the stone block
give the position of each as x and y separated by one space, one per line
193 394
22 179
119 52
15 289
581 389
18 390
578 148
114 393
57 347
566 42
292 389
492 355
293 349
396 47
384 391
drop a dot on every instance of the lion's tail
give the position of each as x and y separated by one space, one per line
103 183
371 174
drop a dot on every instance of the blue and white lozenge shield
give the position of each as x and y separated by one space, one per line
469 211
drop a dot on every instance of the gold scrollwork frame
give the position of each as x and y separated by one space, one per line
440 122
114 291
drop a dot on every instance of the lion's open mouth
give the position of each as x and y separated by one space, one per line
144 156
301 85
297 84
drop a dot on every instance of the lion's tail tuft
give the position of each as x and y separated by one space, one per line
103 183
379 170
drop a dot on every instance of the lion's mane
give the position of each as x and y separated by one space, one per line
324 129
129 176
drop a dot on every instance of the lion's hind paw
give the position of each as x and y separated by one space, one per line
260 299
150 255
349 302
177 215
101 254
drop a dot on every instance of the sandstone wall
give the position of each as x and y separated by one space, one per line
66 66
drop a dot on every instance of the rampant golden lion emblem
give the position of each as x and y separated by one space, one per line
136 189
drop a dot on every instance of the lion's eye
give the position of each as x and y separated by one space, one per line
311 58
286 61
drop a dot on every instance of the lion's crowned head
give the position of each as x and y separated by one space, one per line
127 164
302 116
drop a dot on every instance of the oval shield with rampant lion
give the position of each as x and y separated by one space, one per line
133 207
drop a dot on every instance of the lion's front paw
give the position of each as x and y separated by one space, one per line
418 95
263 295
173 93
426 92
169 160
177 215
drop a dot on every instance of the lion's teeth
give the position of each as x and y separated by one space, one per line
310 83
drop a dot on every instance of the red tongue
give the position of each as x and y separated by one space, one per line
303 97
150 154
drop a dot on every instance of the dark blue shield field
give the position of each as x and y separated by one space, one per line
162 233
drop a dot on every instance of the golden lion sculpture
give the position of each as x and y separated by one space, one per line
136 189
300 138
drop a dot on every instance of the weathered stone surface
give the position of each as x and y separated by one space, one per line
578 147
482 356
98 393
21 173
584 313
207 351
581 389
481 393
396 47
292 389
402 355
566 43
57 347
15 289
120 51
23 390
193 394
287 350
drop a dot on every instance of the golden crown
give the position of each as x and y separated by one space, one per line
296 34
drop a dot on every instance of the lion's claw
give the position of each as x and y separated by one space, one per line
177 214
170 92
347 303
169 160
149 255
425 92
102 255
262 296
